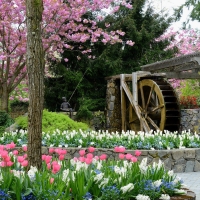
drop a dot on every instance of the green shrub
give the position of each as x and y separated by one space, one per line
5 121
52 121
17 105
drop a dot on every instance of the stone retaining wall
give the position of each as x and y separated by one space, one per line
179 160
190 119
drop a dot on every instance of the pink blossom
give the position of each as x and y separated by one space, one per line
91 149
134 159
55 168
82 159
24 163
20 159
61 157
48 159
9 163
88 161
82 152
121 156
51 180
15 152
51 150
24 148
137 153
48 165
43 157
103 157
128 156
89 155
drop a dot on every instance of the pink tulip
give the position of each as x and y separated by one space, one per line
91 149
82 159
15 152
58 151
119 149
25 155
137 153
51 180
2 164
48 166
9 163
128 156
7 158
12 145
51 150
121 156
4 154
88 161
24 148
96 157
24 163
63 152
134 159
103 157
48 159
43 157
61 157
82 152
20 159
56 168
89 155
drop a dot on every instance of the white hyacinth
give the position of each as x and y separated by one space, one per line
127 188
65 175
142 197
98 177
104 182
31 173
165 197
170 173
157 183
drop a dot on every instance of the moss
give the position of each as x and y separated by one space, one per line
52 121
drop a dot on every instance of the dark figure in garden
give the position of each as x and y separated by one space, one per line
66 107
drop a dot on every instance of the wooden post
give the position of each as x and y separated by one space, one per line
123 103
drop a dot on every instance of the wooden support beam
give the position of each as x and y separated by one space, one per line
123 103
182 75
178 61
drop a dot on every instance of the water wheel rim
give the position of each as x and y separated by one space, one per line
152 86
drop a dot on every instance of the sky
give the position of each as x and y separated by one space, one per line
168 5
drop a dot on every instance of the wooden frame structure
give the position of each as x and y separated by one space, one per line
135 97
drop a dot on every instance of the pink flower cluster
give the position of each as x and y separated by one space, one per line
121 150
85 156
6 158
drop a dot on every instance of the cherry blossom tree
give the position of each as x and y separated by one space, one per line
62 23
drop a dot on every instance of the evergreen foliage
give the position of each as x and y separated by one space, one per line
52 121
5 121
85 78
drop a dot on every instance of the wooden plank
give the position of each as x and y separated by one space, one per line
123 104
192 58
182 75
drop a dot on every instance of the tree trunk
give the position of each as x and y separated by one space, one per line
4 95
35 68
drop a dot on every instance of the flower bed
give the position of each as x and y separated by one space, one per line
85 177
95 173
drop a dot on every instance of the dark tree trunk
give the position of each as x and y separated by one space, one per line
35 68
4 95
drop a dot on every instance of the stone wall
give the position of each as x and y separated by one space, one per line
179 160
113 106
190 119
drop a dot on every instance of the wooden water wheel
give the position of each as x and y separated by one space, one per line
158 107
